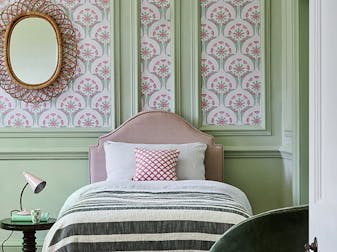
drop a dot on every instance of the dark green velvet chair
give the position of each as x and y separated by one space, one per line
281 230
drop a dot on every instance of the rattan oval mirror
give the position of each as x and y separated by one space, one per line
38 50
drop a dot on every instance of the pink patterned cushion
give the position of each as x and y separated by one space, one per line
155 164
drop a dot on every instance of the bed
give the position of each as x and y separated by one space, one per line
121 214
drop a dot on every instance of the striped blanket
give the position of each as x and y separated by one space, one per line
147 216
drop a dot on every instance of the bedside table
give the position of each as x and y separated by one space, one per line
28 229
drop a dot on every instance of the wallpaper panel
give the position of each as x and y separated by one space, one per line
156 67
231 62
86 103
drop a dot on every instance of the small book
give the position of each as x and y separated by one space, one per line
28 218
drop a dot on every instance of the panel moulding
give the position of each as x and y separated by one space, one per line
194 113
83 155
265 127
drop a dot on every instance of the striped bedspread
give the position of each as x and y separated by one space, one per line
147 216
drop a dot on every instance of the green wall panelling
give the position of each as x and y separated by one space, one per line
42 148
187 43
176 53
253 161
290 14
129 60
265 128
187 59
264 180
304 100
115 62
260 143
295 104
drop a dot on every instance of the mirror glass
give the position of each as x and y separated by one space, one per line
33 50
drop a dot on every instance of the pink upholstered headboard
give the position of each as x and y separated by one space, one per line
157 127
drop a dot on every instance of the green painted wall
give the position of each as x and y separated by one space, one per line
263 164
304 99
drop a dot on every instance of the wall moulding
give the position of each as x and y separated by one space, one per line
220 131
253 154
316 104
223 87
52 133
83 155
187 58
44 155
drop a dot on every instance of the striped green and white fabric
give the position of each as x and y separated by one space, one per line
147 216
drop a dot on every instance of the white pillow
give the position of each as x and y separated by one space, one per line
121 164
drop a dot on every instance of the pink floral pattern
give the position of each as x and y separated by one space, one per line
161 102
53 119
18 119
221 117
87 101
5 104
231 69
156 86
88 119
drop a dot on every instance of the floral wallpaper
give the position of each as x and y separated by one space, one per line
231 62
157 84
86 103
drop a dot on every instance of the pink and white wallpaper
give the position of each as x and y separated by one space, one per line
231 62
231 67
87 102
157 85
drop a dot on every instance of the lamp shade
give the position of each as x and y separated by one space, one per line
35 183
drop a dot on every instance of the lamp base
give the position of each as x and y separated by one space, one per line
23 212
